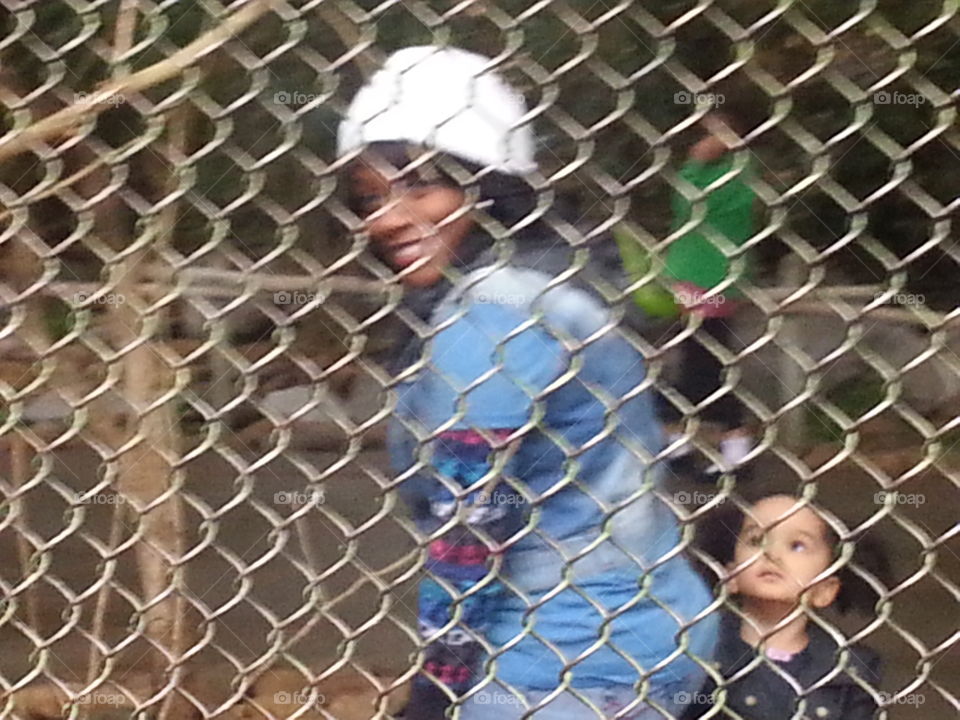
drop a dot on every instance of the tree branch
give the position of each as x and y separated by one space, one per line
67 119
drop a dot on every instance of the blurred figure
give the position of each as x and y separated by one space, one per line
515 467
697 263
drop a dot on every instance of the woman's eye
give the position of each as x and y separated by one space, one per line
415 189
367 204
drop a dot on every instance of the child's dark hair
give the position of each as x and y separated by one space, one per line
717 534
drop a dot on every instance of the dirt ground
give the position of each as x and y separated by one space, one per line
249 573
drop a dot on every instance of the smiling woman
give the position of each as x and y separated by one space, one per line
516 378
415 225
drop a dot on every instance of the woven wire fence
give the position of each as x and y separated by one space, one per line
200 519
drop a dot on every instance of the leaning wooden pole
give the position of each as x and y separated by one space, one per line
68 121
185 633
147 480
148 443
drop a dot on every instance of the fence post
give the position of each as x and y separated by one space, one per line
791 430
20 457
146 436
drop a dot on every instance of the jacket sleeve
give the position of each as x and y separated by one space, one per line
490 363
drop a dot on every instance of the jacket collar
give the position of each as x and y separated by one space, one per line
808 666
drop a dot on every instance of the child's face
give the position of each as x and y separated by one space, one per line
413 224
781 556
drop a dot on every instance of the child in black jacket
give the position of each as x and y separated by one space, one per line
774 654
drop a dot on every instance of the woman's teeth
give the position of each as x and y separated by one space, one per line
404 255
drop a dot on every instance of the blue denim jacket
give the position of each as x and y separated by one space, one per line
512 350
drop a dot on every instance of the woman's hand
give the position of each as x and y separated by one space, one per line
708 149
712 146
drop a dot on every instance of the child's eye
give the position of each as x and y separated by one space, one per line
755 540
798 546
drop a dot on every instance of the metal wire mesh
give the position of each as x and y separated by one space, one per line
199 517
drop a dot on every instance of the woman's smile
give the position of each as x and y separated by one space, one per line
403 254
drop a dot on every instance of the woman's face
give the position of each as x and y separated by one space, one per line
413 224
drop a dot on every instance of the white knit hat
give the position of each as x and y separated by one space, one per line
444 99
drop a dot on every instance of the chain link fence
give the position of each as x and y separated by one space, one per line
200 519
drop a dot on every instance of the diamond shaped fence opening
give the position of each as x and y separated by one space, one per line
255 466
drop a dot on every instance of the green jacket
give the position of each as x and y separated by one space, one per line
694 257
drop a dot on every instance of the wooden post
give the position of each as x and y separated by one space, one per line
145 476
148 433
791 431
21 266
98 624
223 375
20 474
